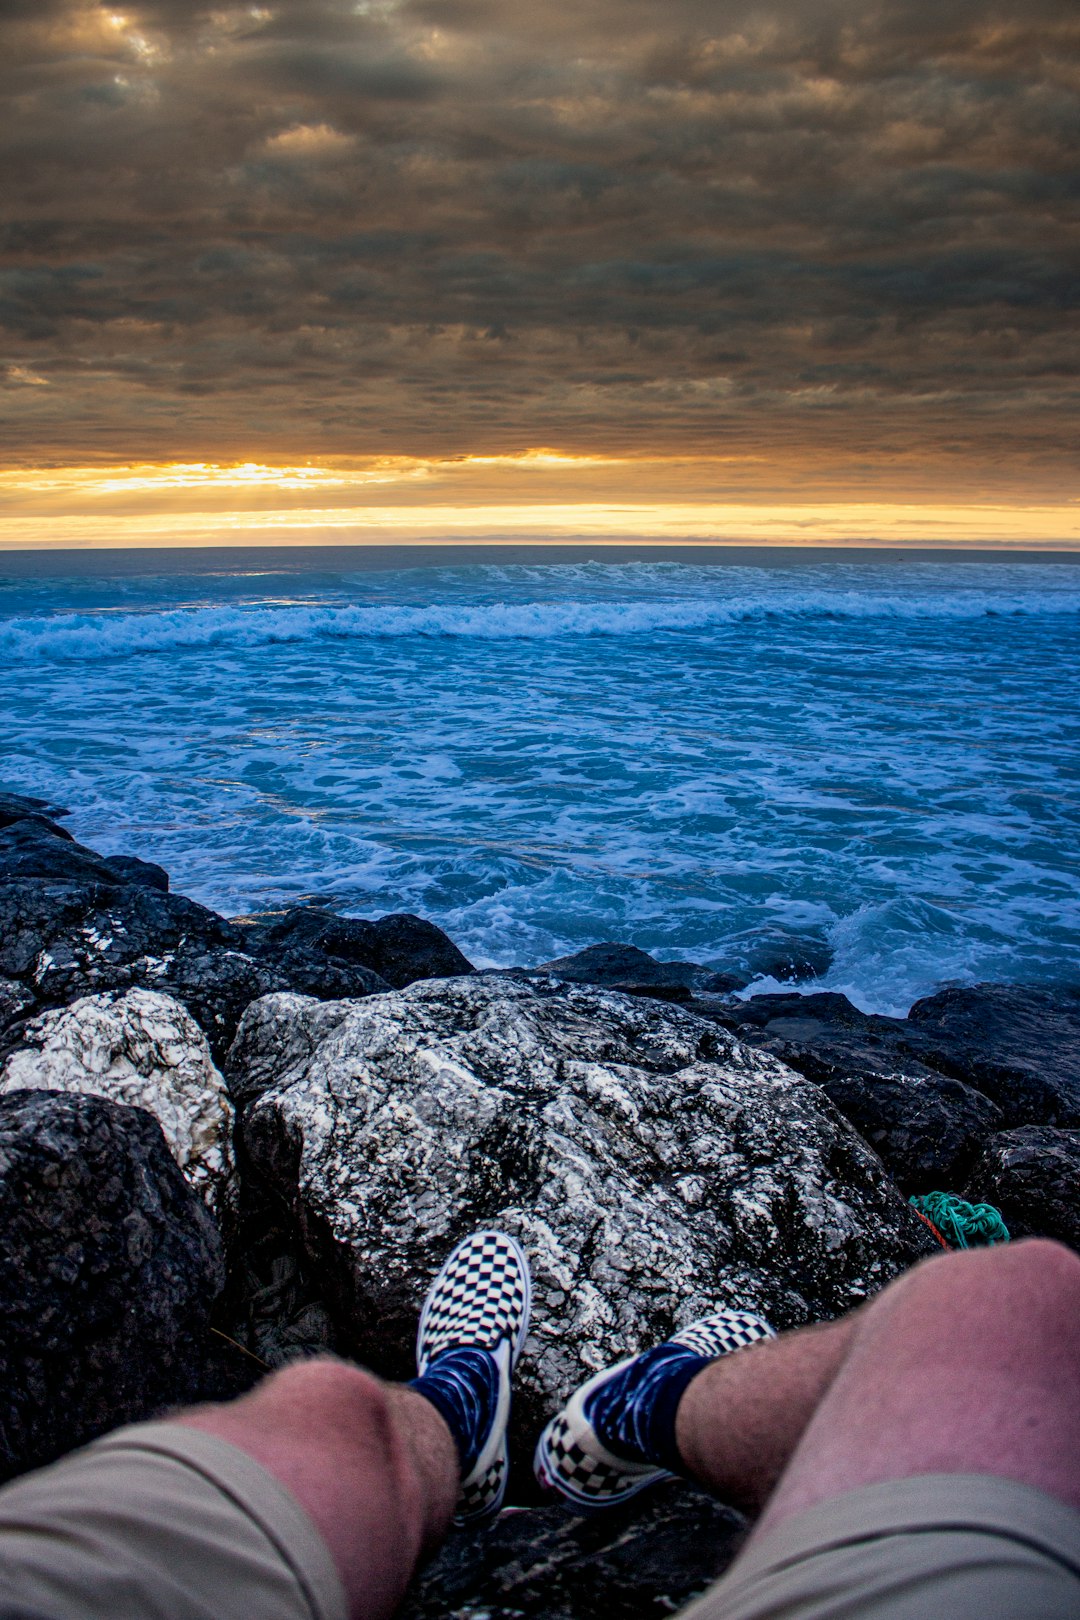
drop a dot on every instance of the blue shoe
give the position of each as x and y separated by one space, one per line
480 1301
573 1460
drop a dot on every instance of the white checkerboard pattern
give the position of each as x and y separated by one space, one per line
480 1299
571 1459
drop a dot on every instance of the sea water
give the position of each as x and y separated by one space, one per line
877 760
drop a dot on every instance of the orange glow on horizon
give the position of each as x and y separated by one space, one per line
539 493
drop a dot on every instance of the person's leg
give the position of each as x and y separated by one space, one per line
313 1496
741 1418
372 1464
969 1364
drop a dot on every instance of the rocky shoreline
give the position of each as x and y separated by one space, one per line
224 1143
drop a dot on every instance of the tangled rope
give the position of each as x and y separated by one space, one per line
959 1225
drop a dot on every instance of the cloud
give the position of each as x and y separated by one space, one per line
814 230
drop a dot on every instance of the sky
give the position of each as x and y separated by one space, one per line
411 269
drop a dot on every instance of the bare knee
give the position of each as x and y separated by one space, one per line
324 1397
1030 1288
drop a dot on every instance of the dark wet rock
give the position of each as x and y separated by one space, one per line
1033 1176
108 1271
130 869
18 806
1020 1044
318 953
795 1017
636 973
31 847
648 1558
322 954
66 940
94 924
34 848
15 1002
1013 1046
652 1166
926 1128
215 984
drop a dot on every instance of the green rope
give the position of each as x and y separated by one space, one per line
964 1225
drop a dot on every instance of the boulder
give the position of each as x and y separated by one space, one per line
75 923
1033 1176
926 1129
636 973
771 951
652 1166
133 870
35 848
1020 1044
901 1091
329 956
15 1002
144 1049
17 806
63 940
109 1267
648 1558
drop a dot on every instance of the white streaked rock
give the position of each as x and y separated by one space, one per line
652 1165
145 1049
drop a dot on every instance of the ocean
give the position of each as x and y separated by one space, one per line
867 762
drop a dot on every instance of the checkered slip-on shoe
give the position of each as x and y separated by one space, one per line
480 1299
570 1457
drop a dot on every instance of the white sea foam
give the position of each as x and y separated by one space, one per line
73 637
879 759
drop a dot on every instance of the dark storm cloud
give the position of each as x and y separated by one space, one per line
616 224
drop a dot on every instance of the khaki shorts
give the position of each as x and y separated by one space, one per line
936 1547
158 1522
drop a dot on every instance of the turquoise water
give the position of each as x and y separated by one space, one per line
880 758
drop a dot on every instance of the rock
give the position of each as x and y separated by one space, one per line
329 956
215 984
648 1558
17 806
143 1049
652 1166
35 848
775 952
75 923
109 1267
133 870
63 940
1033 1176
926 1129
15 1001
278 1035
927 1124
823 1015
1020 1044
635 973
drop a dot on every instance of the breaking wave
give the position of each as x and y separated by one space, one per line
74 637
